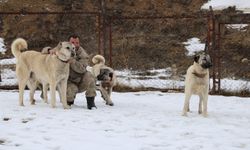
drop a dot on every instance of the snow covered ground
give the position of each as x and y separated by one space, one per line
243 5
138 121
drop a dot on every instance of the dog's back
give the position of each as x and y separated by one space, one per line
31 60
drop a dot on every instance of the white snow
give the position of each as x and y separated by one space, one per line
194 45
8 61
239 27
138 121
2 46
243 5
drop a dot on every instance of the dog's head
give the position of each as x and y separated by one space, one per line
105 75
65 50
203 60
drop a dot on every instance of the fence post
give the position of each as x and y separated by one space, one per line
102 25
110 42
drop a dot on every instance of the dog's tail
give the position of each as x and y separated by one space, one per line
17 46
98 59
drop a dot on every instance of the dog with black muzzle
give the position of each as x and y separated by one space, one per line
105 76
197 82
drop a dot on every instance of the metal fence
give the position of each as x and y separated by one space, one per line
148 52
235 65
151 52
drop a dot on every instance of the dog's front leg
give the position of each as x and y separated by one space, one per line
45 93
200 103
186 103
109 91
62 92
53 93
59 90
204 113
106 96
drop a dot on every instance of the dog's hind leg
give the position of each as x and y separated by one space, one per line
21 92
22 77
32 86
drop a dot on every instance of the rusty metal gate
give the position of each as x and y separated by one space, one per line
221 73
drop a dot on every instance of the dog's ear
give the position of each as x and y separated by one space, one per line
196 58
59 45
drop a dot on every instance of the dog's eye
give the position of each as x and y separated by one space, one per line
67 47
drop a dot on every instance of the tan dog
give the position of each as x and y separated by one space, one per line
106 76
47 69
197 82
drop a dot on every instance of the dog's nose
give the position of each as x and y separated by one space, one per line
111 74
73 54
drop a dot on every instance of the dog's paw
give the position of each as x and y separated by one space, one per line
184 114
33 102
110 104
204 115
67 107
21 104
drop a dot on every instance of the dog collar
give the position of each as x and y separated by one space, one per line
63 60
199 75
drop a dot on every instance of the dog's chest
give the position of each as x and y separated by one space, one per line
198 88
200 81
62 72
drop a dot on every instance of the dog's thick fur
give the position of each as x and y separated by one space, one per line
52 70
197 82
106 76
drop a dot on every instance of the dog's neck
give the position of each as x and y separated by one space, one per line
199 75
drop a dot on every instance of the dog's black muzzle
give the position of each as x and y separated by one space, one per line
206 65
105 75
73 54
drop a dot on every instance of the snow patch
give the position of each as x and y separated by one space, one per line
194 45
2 46
243 5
